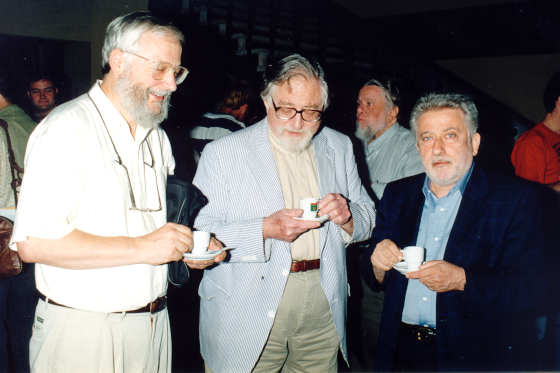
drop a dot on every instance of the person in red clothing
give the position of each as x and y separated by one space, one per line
536 154
536 157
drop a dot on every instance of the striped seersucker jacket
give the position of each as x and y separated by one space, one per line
239 297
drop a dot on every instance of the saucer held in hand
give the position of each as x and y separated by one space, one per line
320 219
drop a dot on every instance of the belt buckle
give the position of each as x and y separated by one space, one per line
426 334
154 306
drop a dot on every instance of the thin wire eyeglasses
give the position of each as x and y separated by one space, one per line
132 199
119 161
162 68
286 113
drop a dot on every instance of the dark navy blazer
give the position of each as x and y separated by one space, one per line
497 238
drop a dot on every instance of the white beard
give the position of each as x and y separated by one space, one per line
134 99
296 145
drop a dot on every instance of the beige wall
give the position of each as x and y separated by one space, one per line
103 12
69 20
517 81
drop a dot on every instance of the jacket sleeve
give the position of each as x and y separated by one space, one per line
246 236
361 206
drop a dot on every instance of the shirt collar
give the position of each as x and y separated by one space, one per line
379 142
460 186
111 116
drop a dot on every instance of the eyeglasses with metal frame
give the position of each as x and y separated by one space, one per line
287 113
150 166
162 68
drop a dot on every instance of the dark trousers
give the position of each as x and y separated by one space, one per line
412 355
18 299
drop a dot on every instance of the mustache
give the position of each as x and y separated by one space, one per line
162 93
440 159
302 130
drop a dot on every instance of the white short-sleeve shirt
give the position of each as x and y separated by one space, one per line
73 180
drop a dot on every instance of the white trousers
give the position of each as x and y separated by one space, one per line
70 340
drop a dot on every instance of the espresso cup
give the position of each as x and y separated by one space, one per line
413 256
201 241
309 207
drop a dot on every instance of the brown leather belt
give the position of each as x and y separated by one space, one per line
156 306
305 265
423 333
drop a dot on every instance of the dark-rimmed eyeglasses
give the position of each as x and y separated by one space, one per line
287 113
162 68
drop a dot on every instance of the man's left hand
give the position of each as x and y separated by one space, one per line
201 264
440 276
337 207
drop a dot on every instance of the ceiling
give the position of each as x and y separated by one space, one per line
382 8
446 29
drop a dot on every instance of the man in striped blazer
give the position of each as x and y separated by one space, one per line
280 299
464 309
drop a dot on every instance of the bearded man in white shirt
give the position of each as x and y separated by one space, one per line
92 211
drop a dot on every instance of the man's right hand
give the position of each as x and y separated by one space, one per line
282 226
384 257
166 244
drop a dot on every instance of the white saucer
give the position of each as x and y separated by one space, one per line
401 267
320 219
210 254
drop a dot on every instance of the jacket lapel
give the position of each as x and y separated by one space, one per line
262 166
471 210
411 213
325 177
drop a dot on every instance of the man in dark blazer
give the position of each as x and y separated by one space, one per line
465 308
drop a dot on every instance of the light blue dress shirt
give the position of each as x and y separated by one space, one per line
392 156
438 217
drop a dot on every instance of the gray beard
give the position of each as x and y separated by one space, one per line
365 134
134 99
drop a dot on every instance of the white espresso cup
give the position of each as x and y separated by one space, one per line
201 241
309 207
413 256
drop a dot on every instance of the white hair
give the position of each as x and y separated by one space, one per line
124 33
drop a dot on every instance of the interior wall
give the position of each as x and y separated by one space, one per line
68 20
103 12
61 19
77 62
517 81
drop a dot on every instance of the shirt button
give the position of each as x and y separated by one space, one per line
285 272
424 299
271 314
442 209
436 239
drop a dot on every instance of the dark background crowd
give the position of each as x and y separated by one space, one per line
229 41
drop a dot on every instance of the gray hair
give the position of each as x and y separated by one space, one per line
392 94
290 67
124 33
433 101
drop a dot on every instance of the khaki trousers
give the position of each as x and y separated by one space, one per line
303 337
70 340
